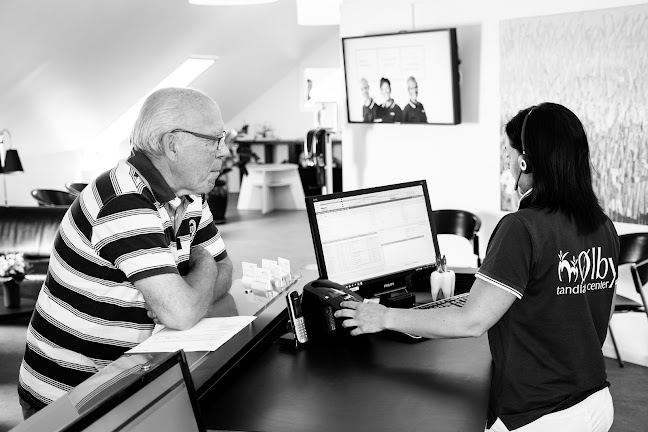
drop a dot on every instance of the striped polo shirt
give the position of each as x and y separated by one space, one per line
88 312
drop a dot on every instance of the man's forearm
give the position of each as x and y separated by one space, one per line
182 306
210 278
223 281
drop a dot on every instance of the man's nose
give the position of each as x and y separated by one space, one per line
224 152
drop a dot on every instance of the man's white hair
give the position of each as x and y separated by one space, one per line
162 111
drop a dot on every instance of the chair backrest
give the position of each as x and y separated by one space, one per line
49 197
459 222
634 250
75 188
640 276
31 230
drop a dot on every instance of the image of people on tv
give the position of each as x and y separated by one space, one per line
370 109
411 77
390 112
413 112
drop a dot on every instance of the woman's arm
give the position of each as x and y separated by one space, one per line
484 307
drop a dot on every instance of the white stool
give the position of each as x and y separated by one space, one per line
271 186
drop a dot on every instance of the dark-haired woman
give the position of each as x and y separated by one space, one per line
545 289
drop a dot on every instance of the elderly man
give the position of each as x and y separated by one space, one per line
138 245
413 111
370 109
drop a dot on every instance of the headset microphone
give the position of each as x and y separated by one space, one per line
517 182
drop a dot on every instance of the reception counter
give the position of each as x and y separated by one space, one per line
258 381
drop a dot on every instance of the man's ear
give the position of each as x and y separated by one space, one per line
170 146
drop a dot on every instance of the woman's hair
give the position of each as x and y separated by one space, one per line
383 81
556 146
163 111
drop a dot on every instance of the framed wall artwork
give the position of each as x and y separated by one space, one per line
317 85
595 64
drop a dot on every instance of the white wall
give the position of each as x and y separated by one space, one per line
460 163
281 105
281 108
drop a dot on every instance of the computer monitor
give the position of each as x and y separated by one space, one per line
163 398
375 240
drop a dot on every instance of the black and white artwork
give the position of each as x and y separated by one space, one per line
596 64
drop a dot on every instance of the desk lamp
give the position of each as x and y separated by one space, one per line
11 161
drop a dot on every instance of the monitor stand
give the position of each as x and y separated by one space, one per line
399 298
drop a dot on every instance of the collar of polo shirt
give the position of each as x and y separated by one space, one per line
160 188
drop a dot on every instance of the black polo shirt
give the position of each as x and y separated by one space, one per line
547 347
370 112
414 112
391 113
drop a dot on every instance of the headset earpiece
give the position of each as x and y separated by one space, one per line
525 165
523 160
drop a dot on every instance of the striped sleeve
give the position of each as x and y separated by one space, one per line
208 235
130 234
509 257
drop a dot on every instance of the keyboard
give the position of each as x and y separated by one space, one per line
458 300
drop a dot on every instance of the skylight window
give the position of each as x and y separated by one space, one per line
104 152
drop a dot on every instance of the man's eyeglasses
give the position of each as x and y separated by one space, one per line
218 139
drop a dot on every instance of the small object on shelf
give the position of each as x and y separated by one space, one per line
12 272
11 294
442 280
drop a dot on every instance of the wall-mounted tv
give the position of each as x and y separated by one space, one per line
403 78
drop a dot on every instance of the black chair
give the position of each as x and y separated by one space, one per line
633 251
461 223
75 188
49 197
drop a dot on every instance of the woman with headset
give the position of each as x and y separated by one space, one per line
544 292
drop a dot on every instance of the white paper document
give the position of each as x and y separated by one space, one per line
207 335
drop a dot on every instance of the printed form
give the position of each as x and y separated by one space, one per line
207 335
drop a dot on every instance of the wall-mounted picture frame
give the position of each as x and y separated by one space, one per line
317 86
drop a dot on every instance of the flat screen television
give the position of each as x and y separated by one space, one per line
403 78
376 240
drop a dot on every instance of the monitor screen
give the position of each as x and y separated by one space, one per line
374 239
163 398
403 78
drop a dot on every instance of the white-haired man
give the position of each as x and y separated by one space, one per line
413 112
370 109
138 245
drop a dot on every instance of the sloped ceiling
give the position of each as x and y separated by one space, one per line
71 67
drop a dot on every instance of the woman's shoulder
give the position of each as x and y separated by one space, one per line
532 220
512 221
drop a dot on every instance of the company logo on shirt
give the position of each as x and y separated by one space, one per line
587 271
192 230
